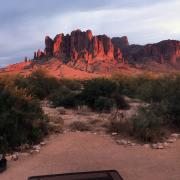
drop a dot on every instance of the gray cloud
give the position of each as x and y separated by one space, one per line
25 23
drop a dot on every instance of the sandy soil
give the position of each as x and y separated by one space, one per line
73 152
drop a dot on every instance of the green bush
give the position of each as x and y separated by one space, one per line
95 88
154 90
128 85
148 124
40 84
63 97
171 103
103 104
162 92
165 92
73 85
21 118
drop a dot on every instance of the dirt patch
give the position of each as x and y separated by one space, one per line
75 152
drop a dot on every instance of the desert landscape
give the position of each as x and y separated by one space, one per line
90 86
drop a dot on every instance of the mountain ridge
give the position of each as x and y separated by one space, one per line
82 45
100 54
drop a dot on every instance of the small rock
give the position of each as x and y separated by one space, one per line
61 110
114 133
37 150
146 145
133 144
166 144
122 142
37 147
129 142
15 156
160 147
175 135
42 143
171 140
31 152
154 146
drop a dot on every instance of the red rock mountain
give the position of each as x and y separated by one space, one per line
164 52
83 48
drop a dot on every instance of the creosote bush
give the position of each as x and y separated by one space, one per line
148 124
63 97
41 85
101 95
162 91
103 104
21 118
79 126
119 123
98 94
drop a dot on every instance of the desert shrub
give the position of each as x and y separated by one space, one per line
127 85
79 126
103 104
144 87
148 124
95 88
21 82
171 103
119 123
162 92
73 85
154 90
41 85
63 97
148 91
21 118
165 92
120 102
98 94
55 124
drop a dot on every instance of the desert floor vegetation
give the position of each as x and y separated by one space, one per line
22 119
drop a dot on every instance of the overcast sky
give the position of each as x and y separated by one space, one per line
25 23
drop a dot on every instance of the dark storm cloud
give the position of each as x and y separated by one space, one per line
24 23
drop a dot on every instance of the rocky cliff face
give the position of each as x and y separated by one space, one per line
120 42
82 47
48 46
164 52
